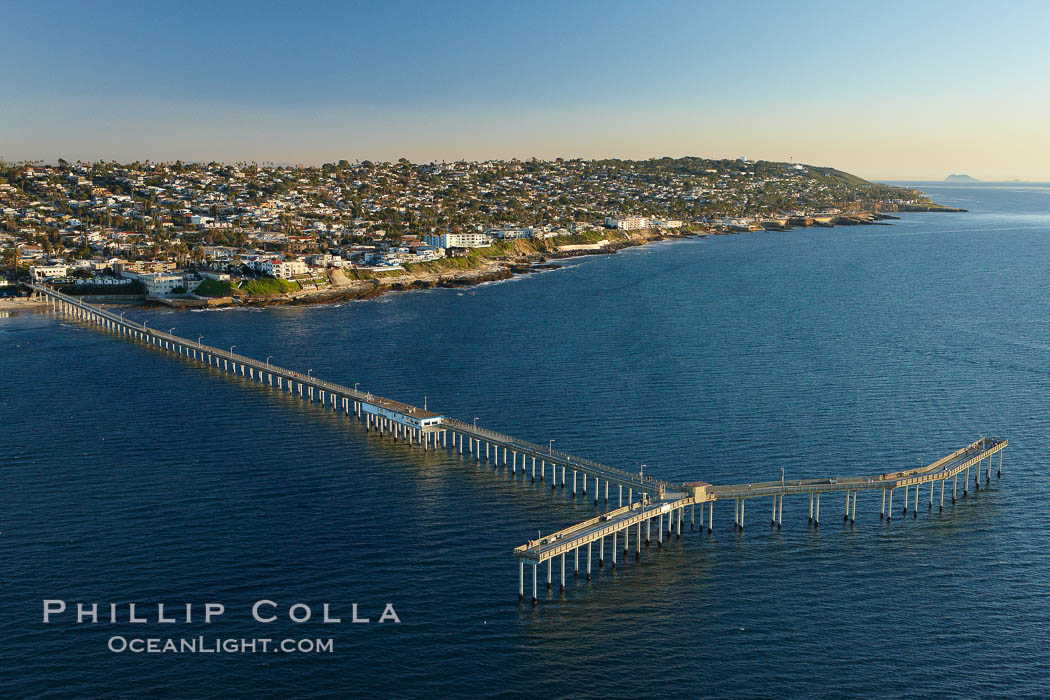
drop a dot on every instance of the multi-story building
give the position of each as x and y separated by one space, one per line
284 269
627 223
160 285
459 240
39 273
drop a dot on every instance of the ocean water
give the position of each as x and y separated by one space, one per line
132 476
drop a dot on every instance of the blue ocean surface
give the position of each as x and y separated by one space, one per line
132 476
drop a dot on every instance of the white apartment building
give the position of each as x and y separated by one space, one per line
284 269
39 273
459 240
160 284
627 223
666 223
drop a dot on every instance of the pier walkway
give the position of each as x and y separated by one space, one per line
642 502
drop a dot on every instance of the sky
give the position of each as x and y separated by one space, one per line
887 90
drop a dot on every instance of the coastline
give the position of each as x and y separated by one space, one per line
501 268
492 269
20 304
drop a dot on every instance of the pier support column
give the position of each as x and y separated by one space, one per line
648 530
521 581
563 573
1000 474
574 483
543 469
534 470
534 598
889 513
847 504
710 517
780 512
589 560
620 497
626 541
550 570
811 506
966 481
660 532
563 468
597 485
576 568
853 512
882 514
931 495
692 517
638 541
742 502
736 514
773 518
630 495
606 489
906 500
915 511
955 486
816 518
601 552
614 549
942 496
679 533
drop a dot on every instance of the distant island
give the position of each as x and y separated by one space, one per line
960 178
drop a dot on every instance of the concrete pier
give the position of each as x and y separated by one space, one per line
415 427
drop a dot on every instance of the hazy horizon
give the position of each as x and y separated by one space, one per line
316 164
952 90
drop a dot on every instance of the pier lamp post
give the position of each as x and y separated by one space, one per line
782 477
199 339
231 348
308 374
268 361
550 447
144 323
122 315
475 422
171 330
355 385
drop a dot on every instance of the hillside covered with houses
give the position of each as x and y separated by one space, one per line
216 230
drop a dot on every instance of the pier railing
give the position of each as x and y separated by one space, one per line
643 482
